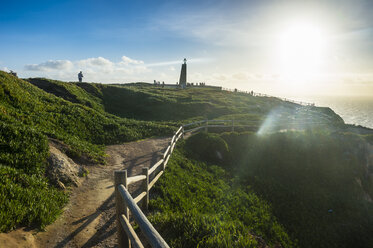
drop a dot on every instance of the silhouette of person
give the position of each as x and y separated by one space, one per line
13 73
80 76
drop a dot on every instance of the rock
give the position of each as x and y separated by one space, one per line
62 170
19 238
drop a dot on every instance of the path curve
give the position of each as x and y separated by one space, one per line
89 218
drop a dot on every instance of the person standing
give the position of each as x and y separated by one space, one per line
80 76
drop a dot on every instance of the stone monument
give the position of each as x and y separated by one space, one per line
183 75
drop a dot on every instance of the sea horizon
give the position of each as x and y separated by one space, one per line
356 110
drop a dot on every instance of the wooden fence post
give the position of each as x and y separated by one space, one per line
120 177
207 124
145 171
182 132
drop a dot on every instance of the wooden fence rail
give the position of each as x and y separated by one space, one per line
265 95
125 203
152 236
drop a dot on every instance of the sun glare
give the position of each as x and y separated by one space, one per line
301 51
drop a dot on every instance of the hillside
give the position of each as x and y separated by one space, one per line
295 164
151 103
29 117
318 183
197 205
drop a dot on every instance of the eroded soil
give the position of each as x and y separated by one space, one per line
89 218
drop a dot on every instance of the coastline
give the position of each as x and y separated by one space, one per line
354 110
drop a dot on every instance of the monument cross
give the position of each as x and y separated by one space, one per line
183 75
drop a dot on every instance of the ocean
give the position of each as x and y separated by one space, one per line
353 110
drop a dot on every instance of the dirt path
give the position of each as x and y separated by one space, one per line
88 220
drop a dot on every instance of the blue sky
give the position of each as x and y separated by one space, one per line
228 43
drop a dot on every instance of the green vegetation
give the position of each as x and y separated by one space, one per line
199 206
307 188
147 102
25 196
317 182
28 117
82 127
27 199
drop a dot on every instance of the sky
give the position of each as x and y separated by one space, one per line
282 48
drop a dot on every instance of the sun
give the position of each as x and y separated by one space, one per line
301 51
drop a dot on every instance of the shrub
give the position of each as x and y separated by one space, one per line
27 200
197 207
208 147
311 180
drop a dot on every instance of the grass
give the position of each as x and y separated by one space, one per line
220 190
197 205
80 126
317 182
27 200
29 116
147 102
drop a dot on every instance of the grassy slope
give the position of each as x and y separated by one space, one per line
318 174
78 114
310 178
28 116
77 124
197 206
193 103
147 102
25 195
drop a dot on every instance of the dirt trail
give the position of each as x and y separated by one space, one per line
88 220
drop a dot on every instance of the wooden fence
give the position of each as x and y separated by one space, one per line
265 95
125 203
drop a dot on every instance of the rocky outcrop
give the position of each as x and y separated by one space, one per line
62 170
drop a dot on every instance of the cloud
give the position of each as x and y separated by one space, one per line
353 78
100 61
50 65
240 76
179 62
128 61
103 70
219 76
164 63
97 69
218 25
